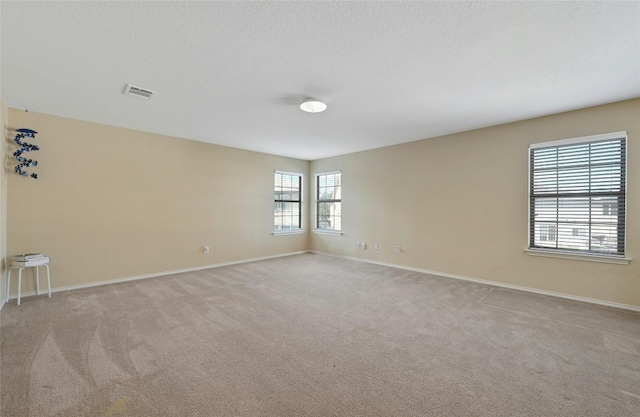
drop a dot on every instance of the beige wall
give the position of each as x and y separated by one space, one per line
458 205
3 197
113 203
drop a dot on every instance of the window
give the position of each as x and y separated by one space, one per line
329 201
287 213
577 195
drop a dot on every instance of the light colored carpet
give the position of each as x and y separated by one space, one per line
312 335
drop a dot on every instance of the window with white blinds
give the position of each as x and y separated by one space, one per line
287 210
329 201
577 195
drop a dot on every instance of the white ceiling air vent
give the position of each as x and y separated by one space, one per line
133 91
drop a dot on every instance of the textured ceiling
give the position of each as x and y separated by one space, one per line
234 73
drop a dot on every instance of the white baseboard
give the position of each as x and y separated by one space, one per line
154 275
494 283
408 268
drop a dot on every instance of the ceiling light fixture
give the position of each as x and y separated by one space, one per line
313 106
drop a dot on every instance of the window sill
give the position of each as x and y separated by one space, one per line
288 232
328 232
578 256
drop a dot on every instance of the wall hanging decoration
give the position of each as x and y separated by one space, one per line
25 147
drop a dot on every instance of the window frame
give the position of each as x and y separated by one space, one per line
319 201
290 203
563 252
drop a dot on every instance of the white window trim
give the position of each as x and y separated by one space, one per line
582 139
328 172
288 173
328 232
578 256
301 229
590 257
288 232
315 194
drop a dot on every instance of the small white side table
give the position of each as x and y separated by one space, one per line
31 264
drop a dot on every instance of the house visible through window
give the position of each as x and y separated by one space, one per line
329 201
576 231
577 195
609 208
287 213
548 232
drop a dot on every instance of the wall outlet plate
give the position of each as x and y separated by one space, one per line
376 246
205 249
397 249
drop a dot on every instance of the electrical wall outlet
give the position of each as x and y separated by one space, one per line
358 245
376 246
205 249
398 249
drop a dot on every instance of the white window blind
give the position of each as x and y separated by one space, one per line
287 212
577 195
329 201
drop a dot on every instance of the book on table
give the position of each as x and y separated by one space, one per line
43 260
27 257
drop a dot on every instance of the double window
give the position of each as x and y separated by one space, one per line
577 195
329 201
287 213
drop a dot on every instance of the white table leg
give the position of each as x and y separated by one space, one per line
19 283
8 285
38 280
48 280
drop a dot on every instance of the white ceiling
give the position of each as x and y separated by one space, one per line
234 73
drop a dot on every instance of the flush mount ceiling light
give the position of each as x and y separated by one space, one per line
313 106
